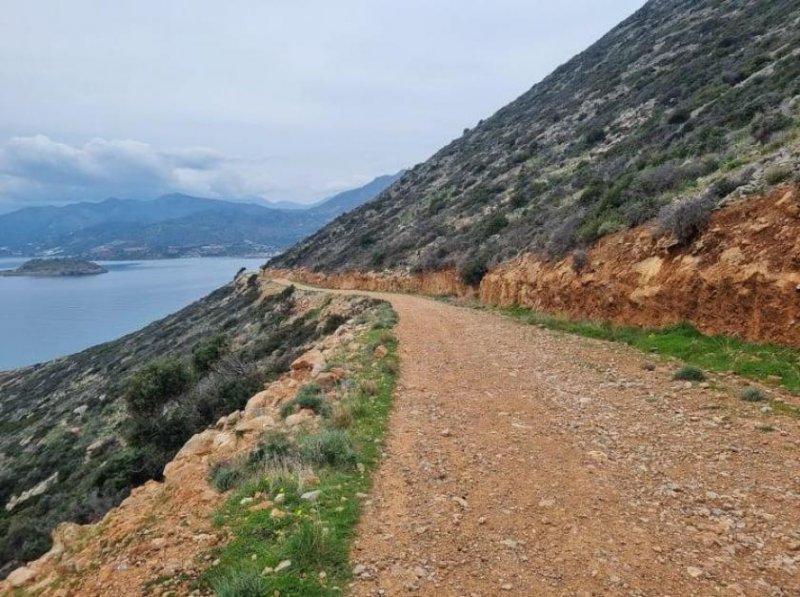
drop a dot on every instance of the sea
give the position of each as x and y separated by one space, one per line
45 318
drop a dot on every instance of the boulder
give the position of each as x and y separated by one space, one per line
21 576
311 363
255 425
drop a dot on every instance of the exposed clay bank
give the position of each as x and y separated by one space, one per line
740 277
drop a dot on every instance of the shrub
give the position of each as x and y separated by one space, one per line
333 323
684 219
473 271
494 224
342 417
330 447
580 259
207 352
158 382
309 396
765 125
242 583
275 447
777 174
752 394
689 373
225 475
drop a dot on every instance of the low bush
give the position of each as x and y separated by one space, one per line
226 475
207 352
684 219
309 396
752 394
329 447
689 373
580 259
333 323
777 174
274 448
154 385
473 270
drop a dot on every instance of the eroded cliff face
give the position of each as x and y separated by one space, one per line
740 277
438 283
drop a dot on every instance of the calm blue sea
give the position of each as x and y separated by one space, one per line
43 318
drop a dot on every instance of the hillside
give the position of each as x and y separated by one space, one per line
170 226
684 99
77 433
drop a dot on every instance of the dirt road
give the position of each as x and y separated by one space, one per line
526 462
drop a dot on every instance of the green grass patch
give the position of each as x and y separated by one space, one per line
313 535
684 342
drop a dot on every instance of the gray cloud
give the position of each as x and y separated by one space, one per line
40 170
293 98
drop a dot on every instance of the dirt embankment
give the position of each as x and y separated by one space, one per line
740 277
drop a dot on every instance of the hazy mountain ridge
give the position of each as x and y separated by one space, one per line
682 99
170 226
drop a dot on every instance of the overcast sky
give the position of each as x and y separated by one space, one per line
276 99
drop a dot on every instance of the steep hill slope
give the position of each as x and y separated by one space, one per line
71 445
683 99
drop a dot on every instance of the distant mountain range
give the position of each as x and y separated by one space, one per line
172 226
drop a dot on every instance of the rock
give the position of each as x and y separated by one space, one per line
21 576
547 503
80 410
245 501
158 542
311 363
445 433
255 425
694 571
381 351
327 380
506 587
648 366
420 572
311 496
280 498
359 569
283 566
299 418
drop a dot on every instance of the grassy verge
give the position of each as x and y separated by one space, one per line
762 362
296 545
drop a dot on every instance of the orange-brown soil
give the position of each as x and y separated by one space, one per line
740 277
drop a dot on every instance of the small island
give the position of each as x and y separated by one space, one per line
56 267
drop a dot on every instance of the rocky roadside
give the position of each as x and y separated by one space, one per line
161 537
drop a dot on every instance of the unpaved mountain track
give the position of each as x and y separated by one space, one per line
525 462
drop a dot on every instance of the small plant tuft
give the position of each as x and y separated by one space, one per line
684 219
309 396
752 394
689 373
331 447
225 476
241 583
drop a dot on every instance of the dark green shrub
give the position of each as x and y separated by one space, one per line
332 323
752 394
473 271
154 385
689 373
207 352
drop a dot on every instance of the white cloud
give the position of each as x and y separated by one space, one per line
37 169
